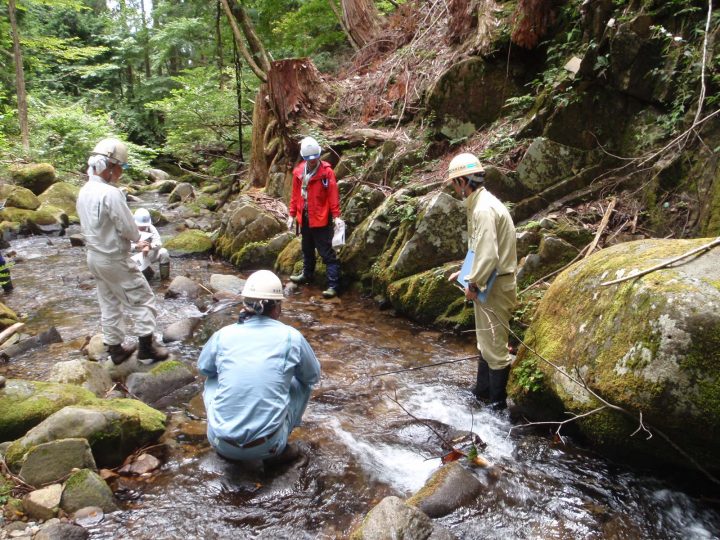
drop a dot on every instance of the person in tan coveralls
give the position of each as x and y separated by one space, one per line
491 235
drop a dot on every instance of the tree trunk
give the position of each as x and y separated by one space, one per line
19 79
145 41
256 46
257 70
339 17
361 19
259 160
295 85
219 44
238 93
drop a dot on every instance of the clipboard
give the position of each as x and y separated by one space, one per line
465 271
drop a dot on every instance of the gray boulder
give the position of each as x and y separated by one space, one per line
181 330
84 373
53 461
449 488
224 282
182 192
163 379
547 162
86 488
43 503
244 223
182 286
157 175
61 531
393 519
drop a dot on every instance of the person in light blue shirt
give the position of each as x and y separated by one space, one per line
260 373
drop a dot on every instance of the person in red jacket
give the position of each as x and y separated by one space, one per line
314 204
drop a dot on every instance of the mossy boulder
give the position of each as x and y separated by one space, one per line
36 177
33 221
246 223
86 488
190 242
62 195
429 298
258 255
650 345
7 318
25 404
547 162
114 428
181 192
19 197
289 256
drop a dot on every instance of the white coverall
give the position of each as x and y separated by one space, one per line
157 253
109 228
491 235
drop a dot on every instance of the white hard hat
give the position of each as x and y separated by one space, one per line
309 148
114 149
142 217
464 165
263 285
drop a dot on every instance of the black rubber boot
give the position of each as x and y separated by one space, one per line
481 390
164 271
498 388
151 350
119 353
7 283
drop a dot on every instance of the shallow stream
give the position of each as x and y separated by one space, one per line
360 446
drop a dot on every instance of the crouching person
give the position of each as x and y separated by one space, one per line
259 376
151 250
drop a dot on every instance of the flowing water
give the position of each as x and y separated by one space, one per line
360 445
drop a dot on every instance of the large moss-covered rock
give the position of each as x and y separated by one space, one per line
86 488
36 177
650 345
258 255
449 488
34 221
190 242
289 256
25 404
19 197
429 297
244 224
62 195
114 428
469 95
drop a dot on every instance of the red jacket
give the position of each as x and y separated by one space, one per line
322 192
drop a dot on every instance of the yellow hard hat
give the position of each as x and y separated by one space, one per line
463 165
114 149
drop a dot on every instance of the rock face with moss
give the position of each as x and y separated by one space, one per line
36 177
191 242
114 428
649 345
24 404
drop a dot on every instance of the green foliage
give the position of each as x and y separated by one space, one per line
529 376
198 114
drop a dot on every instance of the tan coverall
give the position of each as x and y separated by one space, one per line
108 228
491 235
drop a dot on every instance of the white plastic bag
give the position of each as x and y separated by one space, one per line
338 239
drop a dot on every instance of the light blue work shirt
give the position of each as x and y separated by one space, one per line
249 367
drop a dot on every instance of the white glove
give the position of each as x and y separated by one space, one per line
291 224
